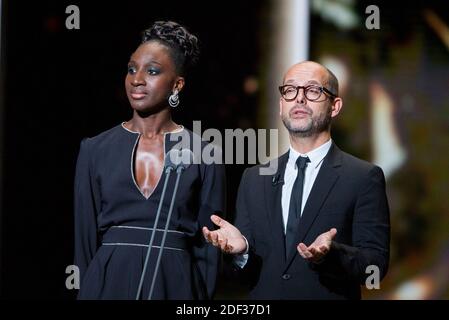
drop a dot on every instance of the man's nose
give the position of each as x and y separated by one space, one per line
300 98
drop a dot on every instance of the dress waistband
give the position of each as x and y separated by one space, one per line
140 237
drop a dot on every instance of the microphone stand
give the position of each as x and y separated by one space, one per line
169 168
179 171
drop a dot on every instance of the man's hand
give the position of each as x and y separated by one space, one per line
228 238
319 248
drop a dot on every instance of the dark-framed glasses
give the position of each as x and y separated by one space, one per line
311 92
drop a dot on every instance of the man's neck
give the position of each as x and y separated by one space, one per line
307 144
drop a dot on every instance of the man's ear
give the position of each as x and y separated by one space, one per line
280 106
337 104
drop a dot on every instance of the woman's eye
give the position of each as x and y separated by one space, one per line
131 70
153 72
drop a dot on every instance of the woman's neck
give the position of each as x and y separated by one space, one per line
152 125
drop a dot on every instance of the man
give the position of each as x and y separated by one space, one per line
310 230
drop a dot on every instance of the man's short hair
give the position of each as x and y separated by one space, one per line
332 82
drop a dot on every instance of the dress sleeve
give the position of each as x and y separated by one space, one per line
213 195
86 200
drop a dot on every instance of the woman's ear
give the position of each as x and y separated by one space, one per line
179 84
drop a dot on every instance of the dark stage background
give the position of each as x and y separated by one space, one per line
61 85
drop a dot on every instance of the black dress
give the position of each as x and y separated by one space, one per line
114 221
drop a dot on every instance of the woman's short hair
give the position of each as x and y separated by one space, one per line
183 45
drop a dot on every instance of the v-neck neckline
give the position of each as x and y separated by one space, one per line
133 154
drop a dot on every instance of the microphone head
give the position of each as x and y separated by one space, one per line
178 158
277 180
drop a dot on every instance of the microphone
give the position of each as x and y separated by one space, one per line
277 180
179 160
182 158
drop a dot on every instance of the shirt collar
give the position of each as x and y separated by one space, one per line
316 155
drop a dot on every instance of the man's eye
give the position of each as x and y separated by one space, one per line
314 90
290 90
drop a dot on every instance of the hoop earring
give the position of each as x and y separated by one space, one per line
173 100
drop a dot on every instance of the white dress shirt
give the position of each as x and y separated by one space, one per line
316 157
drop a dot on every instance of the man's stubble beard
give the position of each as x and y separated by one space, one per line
314 125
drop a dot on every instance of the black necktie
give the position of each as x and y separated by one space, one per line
294 212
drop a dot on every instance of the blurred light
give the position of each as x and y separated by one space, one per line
438 25
414 290
290 34
389 153
339 69
340 13
250 85
52 24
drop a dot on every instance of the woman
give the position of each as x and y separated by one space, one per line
119 181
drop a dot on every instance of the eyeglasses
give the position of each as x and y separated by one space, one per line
311 92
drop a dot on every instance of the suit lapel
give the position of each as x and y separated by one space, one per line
273 193
322 186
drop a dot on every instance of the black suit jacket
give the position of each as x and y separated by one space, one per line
349 195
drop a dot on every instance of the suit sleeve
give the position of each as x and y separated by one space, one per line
86 199
242 220
370 234
250 271
213 198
